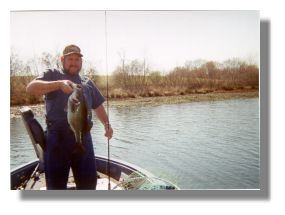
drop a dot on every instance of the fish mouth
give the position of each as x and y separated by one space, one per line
75 101
77 86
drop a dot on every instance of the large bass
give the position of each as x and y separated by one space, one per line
77 114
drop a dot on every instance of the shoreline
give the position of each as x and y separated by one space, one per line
38 109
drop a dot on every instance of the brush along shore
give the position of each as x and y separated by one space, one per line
154 100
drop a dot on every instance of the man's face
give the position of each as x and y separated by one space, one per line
72 63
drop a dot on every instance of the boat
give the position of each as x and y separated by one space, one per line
112 174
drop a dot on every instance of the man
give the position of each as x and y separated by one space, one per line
60 154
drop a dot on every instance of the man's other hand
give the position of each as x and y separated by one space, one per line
108 131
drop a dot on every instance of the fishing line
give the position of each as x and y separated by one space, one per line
106 53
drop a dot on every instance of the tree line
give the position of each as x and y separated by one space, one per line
135 77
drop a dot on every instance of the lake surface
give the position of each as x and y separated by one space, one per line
202 145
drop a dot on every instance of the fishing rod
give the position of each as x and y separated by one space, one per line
106 52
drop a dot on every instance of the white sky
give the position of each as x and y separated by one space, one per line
165 38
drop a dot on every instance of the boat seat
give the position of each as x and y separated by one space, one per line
35 132
35 127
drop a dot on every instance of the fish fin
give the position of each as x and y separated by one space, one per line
77 137
88 124
79 143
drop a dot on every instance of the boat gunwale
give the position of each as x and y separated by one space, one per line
117 164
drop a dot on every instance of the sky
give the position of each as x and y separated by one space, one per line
165 39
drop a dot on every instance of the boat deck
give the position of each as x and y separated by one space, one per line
102 183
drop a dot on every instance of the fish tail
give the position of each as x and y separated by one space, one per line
80 144
81 148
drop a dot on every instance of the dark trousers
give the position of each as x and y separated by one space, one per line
61 154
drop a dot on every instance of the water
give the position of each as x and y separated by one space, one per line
203 145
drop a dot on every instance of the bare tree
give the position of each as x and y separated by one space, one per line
50 61
16 64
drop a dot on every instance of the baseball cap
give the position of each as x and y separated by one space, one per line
71 49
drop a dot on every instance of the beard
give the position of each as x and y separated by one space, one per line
72 70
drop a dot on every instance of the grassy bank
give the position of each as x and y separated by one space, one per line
158 100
